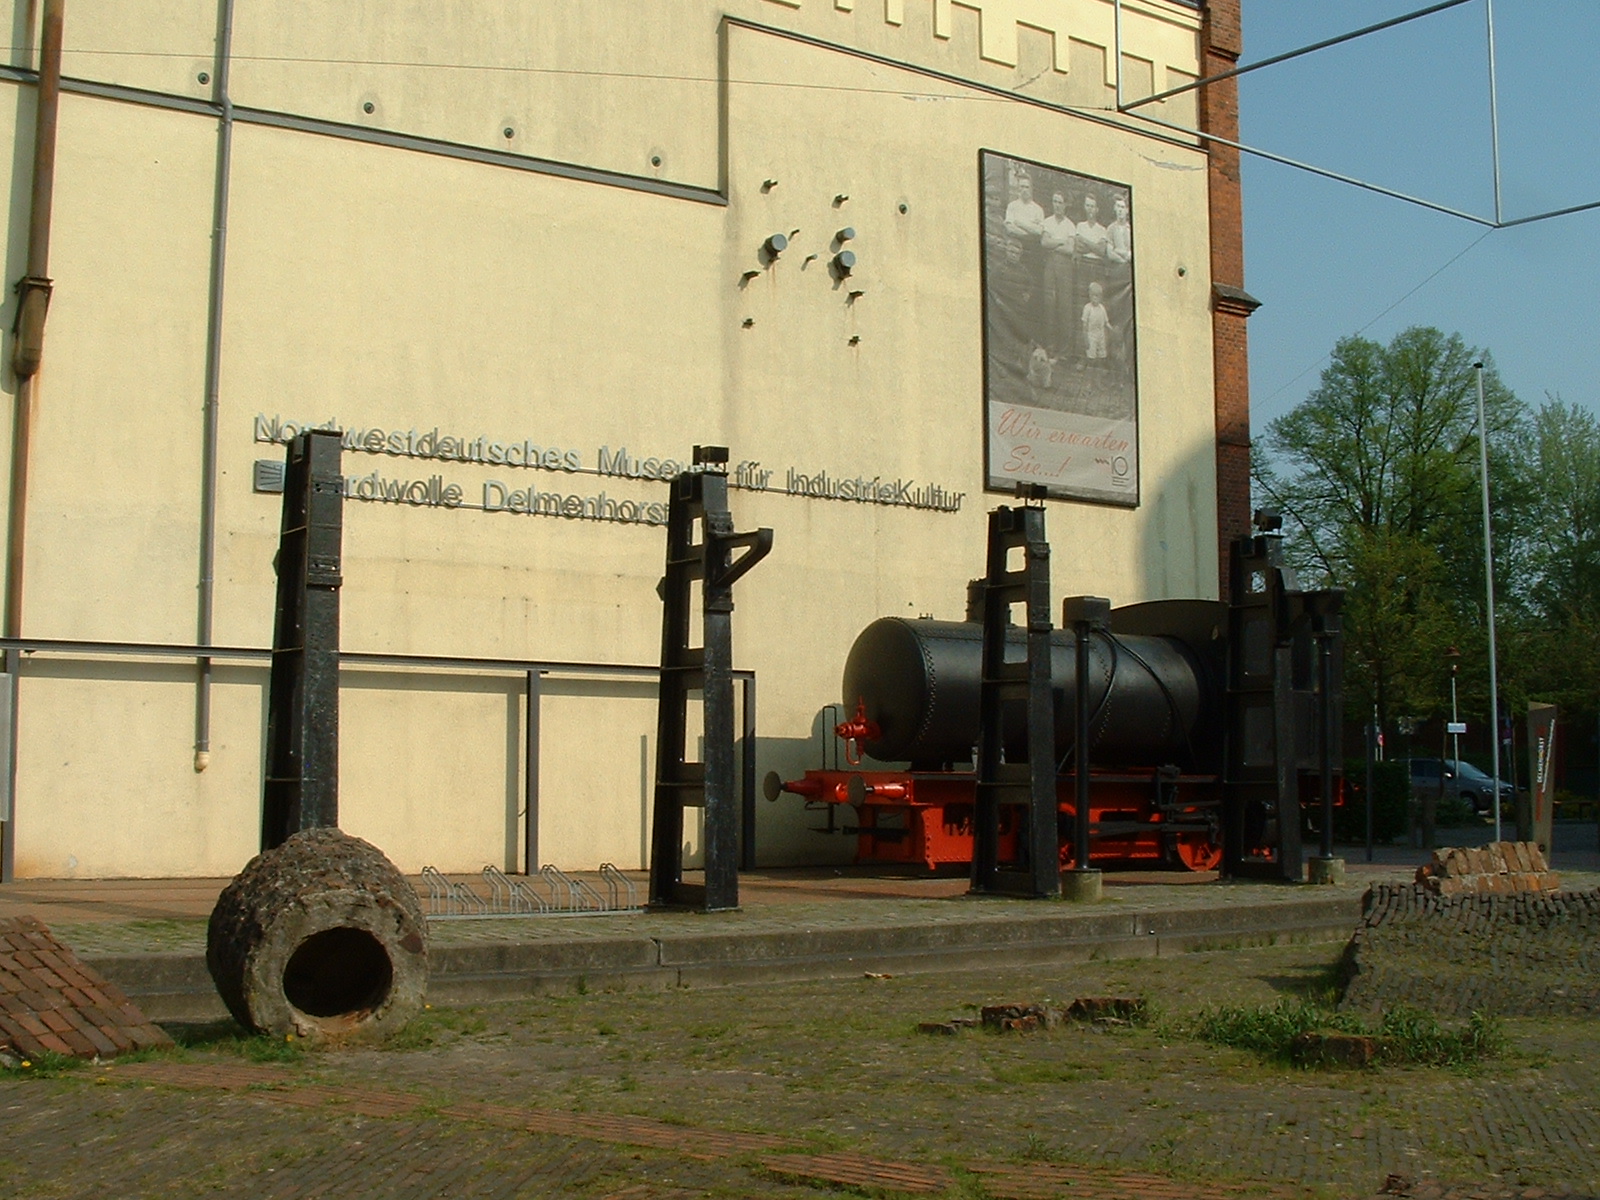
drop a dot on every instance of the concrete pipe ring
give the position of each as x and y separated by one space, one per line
320 938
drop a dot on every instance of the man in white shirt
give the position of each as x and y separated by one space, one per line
1058 243
1024 217
1025 226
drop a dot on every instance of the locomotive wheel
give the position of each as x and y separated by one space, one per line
1197 852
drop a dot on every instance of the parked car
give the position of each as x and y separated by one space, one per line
1462 779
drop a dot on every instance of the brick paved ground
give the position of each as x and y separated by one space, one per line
801 1089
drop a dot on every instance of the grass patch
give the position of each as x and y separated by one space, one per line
433 1026
964 1185
1404 1036
1039 1150
1426 1042
228 1037
46 1066
264 1048
148 1054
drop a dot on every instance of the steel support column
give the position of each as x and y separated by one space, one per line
1326 629
530 776
302 776
747 772
1088 616
1261 835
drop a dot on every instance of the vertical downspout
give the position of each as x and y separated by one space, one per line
208 467
34 292
27 352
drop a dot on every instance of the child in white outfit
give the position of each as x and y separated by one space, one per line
1095 323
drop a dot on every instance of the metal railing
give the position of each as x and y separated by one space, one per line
18 652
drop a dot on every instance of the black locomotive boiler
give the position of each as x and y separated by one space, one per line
1206 728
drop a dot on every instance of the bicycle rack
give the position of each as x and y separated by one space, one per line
564 895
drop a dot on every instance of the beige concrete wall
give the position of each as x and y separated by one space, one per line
114 476
407 292
611 85
429 766
162 47
106 785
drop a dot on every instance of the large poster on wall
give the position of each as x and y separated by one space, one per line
1061 398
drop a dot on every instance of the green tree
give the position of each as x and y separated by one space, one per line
1564 530
1557 533
1376 473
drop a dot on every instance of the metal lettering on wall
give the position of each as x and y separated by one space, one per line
500 496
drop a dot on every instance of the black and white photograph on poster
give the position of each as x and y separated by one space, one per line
1061 369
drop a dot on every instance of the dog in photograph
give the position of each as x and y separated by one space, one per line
1041 374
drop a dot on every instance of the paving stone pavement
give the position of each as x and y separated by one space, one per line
800 1090
264 1131
126 1142
137 1133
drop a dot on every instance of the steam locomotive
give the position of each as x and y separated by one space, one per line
1210 729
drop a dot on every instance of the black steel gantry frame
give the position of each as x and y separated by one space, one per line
700 498
1029 785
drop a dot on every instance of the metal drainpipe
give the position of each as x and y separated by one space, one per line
26 353
34 292
208 468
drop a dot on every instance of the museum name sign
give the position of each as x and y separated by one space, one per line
498 496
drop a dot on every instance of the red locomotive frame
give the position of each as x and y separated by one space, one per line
1138 816
1150 817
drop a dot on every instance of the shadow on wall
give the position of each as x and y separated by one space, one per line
1180 551
793 824
460 736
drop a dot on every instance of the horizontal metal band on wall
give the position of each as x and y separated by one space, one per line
376 137
463 152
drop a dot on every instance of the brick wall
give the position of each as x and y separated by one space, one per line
1231 306
1527 954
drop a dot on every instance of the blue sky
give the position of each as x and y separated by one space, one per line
1408 108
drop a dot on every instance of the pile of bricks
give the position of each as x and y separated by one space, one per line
1498 869
50 1003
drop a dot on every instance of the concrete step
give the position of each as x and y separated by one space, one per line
175 986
